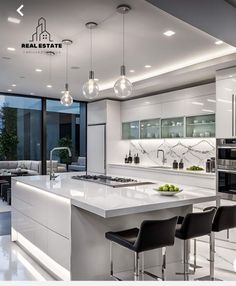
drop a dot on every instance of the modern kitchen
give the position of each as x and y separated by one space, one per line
118 141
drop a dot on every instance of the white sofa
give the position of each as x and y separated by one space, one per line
32 167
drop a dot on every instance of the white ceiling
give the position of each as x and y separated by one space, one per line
145 44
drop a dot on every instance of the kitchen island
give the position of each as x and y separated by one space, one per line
62 223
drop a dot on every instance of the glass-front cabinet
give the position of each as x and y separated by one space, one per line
130 130
200 126
172 127
150 129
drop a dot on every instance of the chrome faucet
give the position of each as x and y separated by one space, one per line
51 173
164 160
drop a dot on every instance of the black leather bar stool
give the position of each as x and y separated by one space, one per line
152 234
225 219
193 225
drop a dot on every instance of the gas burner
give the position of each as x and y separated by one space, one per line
114 182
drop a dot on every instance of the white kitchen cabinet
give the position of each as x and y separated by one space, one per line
225 106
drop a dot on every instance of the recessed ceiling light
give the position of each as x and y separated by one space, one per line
38 70
96 79
9 90
131 70
62 91
219 42
11 49
211 100
32 93
13 84
197 103
147 66
49 86
147 102
13 20
169 33
208 110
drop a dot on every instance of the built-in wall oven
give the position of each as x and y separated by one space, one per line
226 168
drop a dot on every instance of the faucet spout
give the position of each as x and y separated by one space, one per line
163 155
51 172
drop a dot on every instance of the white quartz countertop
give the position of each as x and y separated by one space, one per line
167 169
110 202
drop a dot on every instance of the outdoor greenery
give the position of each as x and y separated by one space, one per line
8 133
64 155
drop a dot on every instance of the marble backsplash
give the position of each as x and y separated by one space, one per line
192 151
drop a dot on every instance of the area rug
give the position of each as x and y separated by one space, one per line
5 223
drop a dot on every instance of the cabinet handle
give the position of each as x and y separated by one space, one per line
233 115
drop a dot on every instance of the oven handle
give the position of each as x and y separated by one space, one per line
226 171
226 147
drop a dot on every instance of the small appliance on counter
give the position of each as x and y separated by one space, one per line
136 159
210 165
175 165
181 164
226 168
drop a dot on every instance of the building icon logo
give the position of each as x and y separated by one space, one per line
41 40
41 34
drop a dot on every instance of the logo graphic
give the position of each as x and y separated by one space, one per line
41 39
41 34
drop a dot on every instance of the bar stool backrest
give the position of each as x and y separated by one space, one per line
156 234
225 218
197 224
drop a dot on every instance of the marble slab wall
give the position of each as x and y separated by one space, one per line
192 151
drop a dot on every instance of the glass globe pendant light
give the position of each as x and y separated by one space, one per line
66 98
90 88
123 87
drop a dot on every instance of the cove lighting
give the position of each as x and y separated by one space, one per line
13 20
169 33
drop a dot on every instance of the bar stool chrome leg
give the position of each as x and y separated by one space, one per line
163 268
136 266
111 262
212 256
186 260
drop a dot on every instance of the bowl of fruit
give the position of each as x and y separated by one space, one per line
168 190
195 168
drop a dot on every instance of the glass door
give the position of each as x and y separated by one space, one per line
172 127
150 129
200 126
130 130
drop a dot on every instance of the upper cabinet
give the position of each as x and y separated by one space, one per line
172 127
226 103
200 126
130 130
150 129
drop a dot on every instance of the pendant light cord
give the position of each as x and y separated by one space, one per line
91 50
123 53
67 63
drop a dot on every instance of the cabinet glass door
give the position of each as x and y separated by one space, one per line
172 127
150 129
130 130
200 126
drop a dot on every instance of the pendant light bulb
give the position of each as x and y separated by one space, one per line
123 87
66 98
91 88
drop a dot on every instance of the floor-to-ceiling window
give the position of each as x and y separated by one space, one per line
20 133
23 142
66 127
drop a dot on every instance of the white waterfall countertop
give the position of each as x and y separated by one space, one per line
106 201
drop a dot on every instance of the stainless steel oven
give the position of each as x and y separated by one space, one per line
226 168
